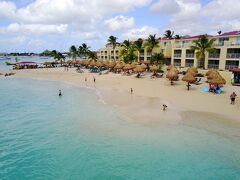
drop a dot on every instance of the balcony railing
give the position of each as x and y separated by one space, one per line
227 67
216 55
190 55
177 64
189 64
233 55
221 43
213 66
141 54
148 54
177 55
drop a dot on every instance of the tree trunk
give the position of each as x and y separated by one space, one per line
138 56
114 54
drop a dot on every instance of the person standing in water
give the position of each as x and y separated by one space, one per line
131 91
59 92
233 97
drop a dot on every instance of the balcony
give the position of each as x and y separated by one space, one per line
189 64
214 55
221 43
141 54
177 64
148 54
213 66
228 67
233 55
189 55
178 55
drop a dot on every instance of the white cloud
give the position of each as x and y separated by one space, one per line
7 9
165 7
119 23
142 32
34 29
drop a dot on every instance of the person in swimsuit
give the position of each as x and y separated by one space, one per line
131 91
60 92
164 107
233 97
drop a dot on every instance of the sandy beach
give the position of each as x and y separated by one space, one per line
145 104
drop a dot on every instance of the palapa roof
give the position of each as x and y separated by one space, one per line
154 68
139 69
189 78
218 80
171 75
127 67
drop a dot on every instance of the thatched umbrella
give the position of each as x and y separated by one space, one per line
218 80
127 67
170 67
192 72
189 78
172 76
87 62
99 64
154 68
134 64
212 72
92 63
111 64
118 66
212 75
138 70
144 66
193 69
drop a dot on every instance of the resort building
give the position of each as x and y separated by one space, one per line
178 53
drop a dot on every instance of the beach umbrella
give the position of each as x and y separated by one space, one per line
118 66
87 62
213 75
99 64
212 72
218 80
144 66
172 76
127 67
134 64
92 63
189 78
192 69
154 68
170 67
192 72
105 63
111 64
138 69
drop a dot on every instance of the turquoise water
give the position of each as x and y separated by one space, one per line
43 136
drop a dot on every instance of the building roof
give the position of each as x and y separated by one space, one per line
232 33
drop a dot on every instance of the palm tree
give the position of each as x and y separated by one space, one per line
151 43
177 36
58 56
92 55
112 40
83 50
201 46
157 58
168 34
139 46
73 52
128 52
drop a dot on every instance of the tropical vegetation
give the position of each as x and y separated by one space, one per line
112 40
201 46
127 52
151 43
139 46
169 34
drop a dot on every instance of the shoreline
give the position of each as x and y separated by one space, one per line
145 97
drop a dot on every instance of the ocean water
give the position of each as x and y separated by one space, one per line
76 136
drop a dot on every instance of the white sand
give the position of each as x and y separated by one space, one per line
149 94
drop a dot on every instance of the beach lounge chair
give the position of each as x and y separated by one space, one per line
198 82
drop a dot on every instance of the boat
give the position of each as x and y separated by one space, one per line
10 63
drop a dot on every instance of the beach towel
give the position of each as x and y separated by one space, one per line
205 89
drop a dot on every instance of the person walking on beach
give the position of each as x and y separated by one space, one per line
233 97
85 79
131 91
94 80
164 107
59 93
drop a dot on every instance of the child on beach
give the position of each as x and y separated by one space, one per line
233 97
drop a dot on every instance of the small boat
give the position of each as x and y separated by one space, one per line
10 63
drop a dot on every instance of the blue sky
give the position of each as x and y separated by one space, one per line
36 25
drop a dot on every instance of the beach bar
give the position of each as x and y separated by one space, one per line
235 80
